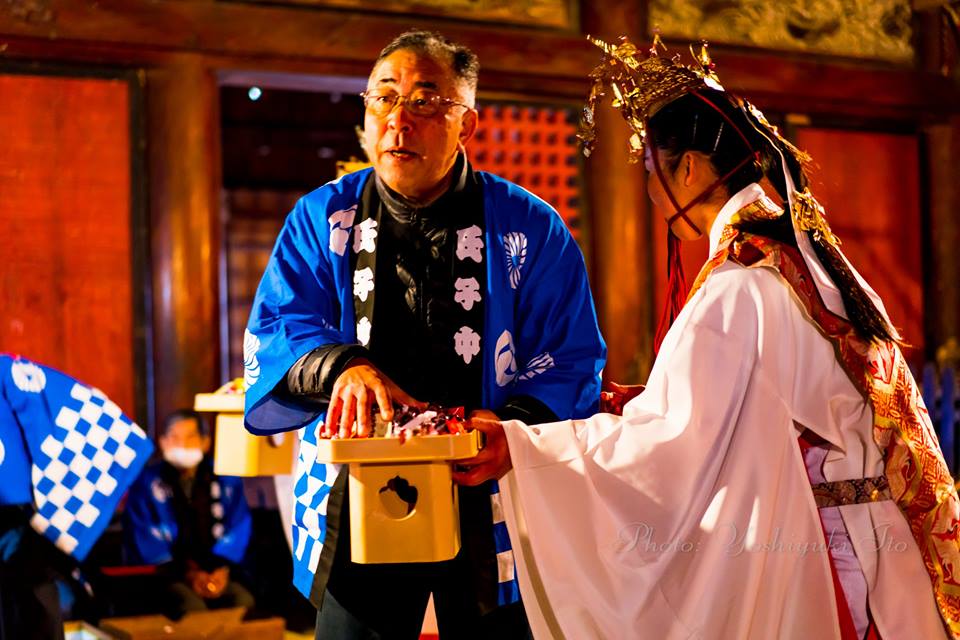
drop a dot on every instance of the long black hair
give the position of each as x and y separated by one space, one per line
697 123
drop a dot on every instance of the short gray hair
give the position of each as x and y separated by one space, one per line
462 61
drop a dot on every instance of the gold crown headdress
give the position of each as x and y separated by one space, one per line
641 84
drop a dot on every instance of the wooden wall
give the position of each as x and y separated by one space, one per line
181 46
869 184
67 277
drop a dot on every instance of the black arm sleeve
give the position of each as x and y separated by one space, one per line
315 373
528 409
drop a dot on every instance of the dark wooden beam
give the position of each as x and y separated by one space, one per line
520 61
278 33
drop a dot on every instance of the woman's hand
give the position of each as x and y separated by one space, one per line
493 461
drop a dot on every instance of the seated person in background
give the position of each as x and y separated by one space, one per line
192 523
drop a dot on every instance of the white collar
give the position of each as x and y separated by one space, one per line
750 193
827 288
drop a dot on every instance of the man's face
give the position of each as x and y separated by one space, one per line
414 154
185 434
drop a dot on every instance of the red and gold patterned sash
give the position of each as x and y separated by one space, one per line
919 480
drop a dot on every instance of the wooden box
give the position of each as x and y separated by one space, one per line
236 451
403 503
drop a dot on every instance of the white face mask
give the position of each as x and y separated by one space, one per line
182 457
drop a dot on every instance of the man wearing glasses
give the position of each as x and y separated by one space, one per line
421 281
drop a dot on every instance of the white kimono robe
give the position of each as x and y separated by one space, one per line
692 515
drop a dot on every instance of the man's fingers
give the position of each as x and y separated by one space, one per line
364 428
384 401
347 416
333 415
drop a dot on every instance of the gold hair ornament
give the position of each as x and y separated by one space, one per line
808 215
644 82
641 84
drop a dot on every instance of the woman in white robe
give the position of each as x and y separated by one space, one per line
692 515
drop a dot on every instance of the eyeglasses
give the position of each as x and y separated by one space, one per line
419 103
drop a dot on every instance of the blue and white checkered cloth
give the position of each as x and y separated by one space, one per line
83 452
310 494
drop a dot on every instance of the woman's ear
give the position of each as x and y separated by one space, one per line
689 164
696 169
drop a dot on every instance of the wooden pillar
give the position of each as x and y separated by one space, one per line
620 224
943 279
938 55
183 156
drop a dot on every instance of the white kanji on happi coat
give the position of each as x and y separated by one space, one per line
363 331
470 244
365 236
363 283
466 343
468 292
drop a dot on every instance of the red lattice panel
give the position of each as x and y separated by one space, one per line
536 148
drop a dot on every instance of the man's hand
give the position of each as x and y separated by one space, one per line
199 581
493 461
353 396
218 581
208 585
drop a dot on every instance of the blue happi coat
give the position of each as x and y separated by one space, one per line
540 335
67 449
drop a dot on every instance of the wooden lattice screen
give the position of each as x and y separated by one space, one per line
534 147
255 219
